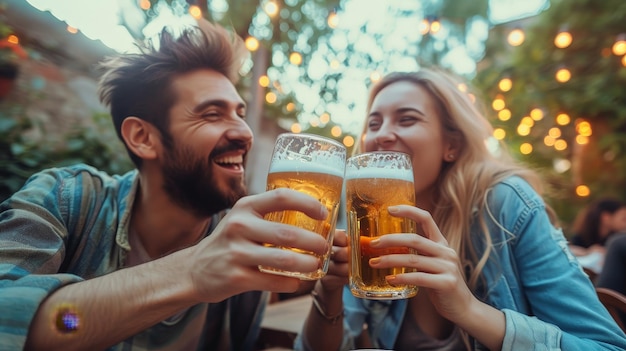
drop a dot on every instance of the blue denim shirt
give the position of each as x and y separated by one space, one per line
70 224
548 301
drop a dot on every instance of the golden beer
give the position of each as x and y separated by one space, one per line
321 180
369 191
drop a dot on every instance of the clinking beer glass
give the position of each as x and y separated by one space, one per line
375 181
313 165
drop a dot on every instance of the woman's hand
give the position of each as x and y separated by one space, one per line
437 265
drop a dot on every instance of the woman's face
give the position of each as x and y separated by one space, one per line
404 117
618 221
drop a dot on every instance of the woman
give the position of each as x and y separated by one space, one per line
593 227
493 271
595 224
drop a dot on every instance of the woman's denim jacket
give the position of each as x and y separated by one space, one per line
547 300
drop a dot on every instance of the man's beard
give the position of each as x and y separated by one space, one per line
190 183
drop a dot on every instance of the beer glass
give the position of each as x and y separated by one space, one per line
313 165
375 181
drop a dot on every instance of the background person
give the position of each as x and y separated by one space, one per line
91 261
595 224
492 269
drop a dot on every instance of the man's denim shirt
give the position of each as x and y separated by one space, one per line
70 224
548 302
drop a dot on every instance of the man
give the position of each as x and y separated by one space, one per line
90 261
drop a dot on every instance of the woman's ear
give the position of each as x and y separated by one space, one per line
140 137
453 147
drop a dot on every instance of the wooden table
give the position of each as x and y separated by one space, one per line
283 321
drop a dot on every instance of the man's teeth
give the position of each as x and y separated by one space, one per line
230 159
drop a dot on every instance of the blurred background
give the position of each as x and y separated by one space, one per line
551 76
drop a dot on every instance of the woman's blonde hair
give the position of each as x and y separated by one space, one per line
462 186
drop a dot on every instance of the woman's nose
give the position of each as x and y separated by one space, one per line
385 136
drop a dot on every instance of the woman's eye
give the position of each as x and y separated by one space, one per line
373 124
408 119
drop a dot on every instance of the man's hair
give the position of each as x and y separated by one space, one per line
140 84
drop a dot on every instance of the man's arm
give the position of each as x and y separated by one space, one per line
113 307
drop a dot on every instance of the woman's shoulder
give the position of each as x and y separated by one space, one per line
514 190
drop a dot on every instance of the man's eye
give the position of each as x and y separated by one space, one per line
210 114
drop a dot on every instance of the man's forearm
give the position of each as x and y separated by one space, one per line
113 307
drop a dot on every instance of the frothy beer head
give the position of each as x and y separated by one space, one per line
286 165
382 173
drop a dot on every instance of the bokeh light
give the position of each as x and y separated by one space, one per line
563 40
499 133
504 114
252 43
563 119
296 128
505 84
563 75
583 191
526 148
516 37
348 141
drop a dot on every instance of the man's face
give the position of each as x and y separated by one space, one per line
204 172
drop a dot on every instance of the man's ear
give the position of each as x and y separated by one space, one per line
141 138
453 148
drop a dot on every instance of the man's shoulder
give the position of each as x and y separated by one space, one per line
82 172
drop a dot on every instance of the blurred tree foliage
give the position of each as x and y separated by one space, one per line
595 94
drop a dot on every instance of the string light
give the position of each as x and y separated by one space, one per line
584 128
375 76
526 148
499 133
563 119
582 140
563 75
523 129
425 26
554 132
264 81
536 114
505 84
516 37
560 145
504 114
563 39
296 128
619 47
144 4
348 141
295 58
325 118
583 190
271 8
498 103
252 43
549 141
435 26
195 11
270 98
333 20
336 131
